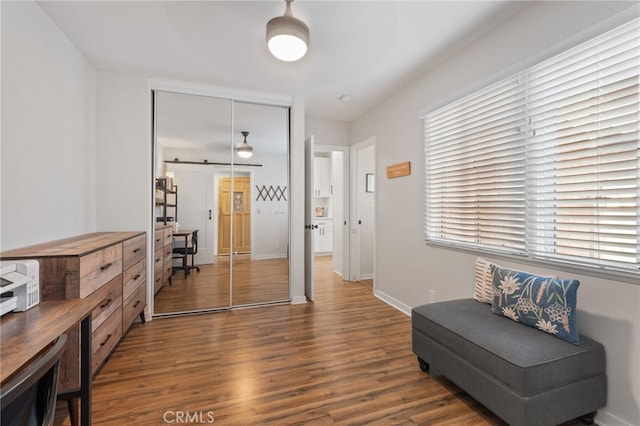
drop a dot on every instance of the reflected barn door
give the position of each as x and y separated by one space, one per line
195 199
237 203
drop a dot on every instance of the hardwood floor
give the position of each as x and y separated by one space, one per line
254 281
344 359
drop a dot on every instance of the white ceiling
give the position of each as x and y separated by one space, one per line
366 49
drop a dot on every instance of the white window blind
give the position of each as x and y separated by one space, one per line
475 168
546 162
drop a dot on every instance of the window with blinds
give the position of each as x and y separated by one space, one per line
544 163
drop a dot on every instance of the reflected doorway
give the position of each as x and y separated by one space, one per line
234 198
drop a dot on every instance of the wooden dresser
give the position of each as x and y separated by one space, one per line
163 255
108 266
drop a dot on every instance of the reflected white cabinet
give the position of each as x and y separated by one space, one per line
323 238
321 177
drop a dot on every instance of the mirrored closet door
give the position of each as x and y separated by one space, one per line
230 209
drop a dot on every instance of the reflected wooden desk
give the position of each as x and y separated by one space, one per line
186 234
26 334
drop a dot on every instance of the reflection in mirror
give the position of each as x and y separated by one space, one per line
237 207
260 267
190 130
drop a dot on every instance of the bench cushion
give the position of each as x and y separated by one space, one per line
526 360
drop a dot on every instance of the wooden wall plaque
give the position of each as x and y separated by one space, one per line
400 169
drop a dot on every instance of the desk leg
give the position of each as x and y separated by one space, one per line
85 371
184 259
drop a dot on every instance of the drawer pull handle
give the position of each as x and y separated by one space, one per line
106 303
136 276
107 266
137 303
106 340
158 260
136 250
158 240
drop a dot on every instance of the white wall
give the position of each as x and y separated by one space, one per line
48 121
408 269
271 217
123 152
327 132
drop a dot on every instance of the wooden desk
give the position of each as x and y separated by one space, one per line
186 233
26 334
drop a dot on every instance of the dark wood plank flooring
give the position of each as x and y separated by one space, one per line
344 359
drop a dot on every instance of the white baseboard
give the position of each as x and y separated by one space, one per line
405 309
604 418
298 300
269 256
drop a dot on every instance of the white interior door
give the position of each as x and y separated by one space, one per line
308 219
195 205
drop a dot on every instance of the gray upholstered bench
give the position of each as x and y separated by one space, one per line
524 376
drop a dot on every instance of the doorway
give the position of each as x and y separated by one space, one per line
363 167
331 239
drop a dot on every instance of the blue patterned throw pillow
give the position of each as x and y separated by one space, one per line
544 303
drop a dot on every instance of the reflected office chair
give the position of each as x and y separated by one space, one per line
30 397
192 250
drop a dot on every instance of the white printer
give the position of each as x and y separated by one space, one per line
19 285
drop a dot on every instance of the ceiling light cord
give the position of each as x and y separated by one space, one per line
287 8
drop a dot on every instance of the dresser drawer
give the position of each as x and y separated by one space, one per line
168 252
100 267
158 238
157 279
133 306
168 236
110 296
132 278
168 270
133 250
158 257
105 338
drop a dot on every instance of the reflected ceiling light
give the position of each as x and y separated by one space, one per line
287 36
244 150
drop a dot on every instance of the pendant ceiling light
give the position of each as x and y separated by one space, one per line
287 36
244 150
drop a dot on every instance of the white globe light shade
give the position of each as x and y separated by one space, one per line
287 38
244 152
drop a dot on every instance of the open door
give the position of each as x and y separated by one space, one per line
308 219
